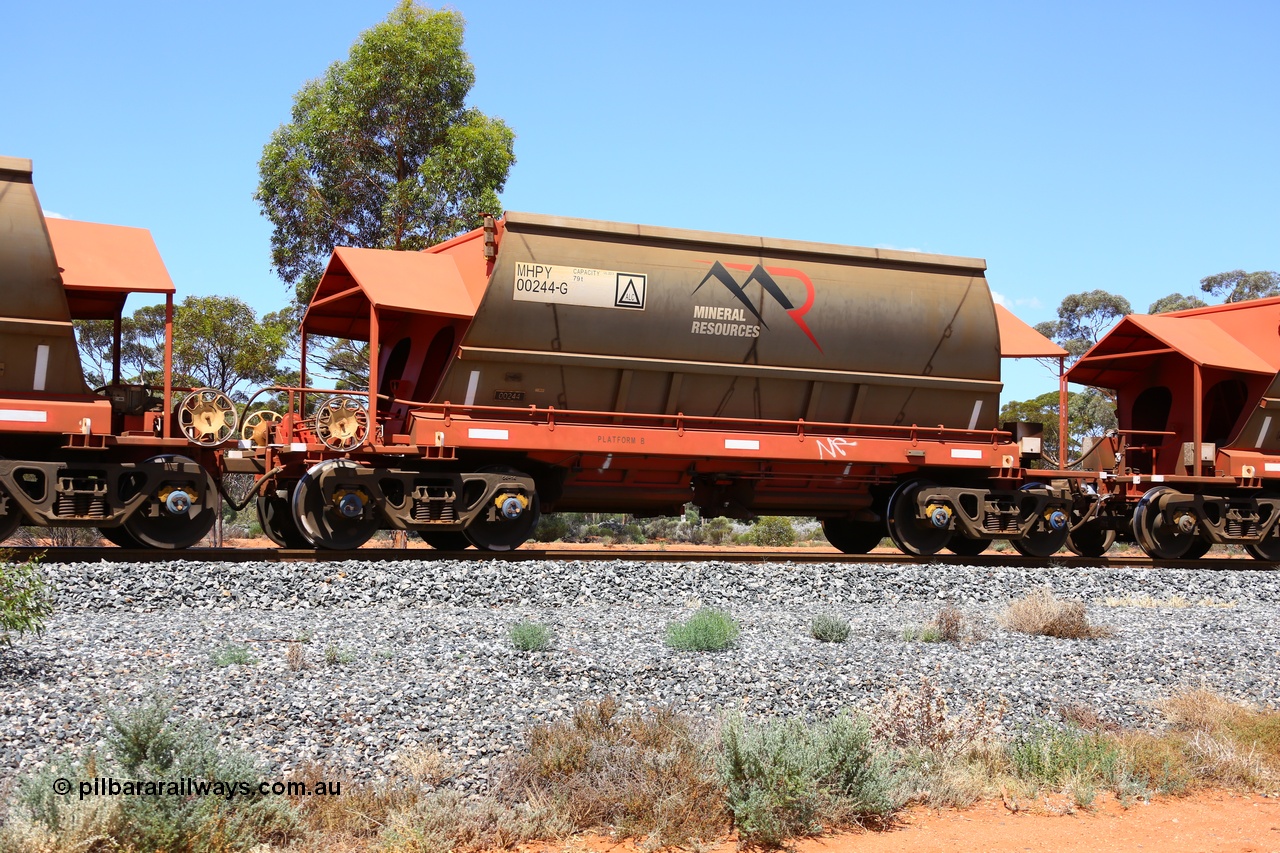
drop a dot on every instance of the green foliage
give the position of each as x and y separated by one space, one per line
557 527
1090 413
1048 755
787 779
334 656
922 634
530 636
708 630
218 342
772 531
829 628
1175 302
718 531
232 654
382 151
26 598
1083 318
1238 285
144 745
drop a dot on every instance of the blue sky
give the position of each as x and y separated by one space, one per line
1131 147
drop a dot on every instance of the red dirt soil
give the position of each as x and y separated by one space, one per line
1212 822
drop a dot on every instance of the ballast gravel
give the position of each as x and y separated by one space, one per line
403 656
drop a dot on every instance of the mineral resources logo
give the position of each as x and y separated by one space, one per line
732 322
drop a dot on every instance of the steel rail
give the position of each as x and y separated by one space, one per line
58 554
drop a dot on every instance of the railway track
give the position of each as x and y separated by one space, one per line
652 555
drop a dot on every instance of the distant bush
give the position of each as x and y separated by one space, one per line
26 598
530 636
787 779
718 530
772 531
829 628
708 630
1040 612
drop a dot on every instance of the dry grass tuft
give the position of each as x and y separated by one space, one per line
951 624
1086 718
646 776
295 657
1041 612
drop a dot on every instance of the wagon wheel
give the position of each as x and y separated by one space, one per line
342 522
446 540
13 515
1043 539
1156 534
966 547
853 537
911 533
276 518
1199 547
1090 541
257 427
508 521
207 417
342 423
1267 550
119 537
179 512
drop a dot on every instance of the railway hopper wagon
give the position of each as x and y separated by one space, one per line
551 364
117 458
1196 459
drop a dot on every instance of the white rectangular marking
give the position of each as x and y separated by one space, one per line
42 367
1157 478
964 453
973 419
24 416
235 454
489 434
1266 428
1271 466
471 387
298 446
568 285
741 444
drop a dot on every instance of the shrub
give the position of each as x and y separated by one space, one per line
772 531
718 530
947 627
1040 612
1048 755
559 527
922 634
787 779
829 628
334 656
530 636
708 630
26 598
643 775
920 719
233 654
143 744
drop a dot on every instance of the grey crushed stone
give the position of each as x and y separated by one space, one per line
433 665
